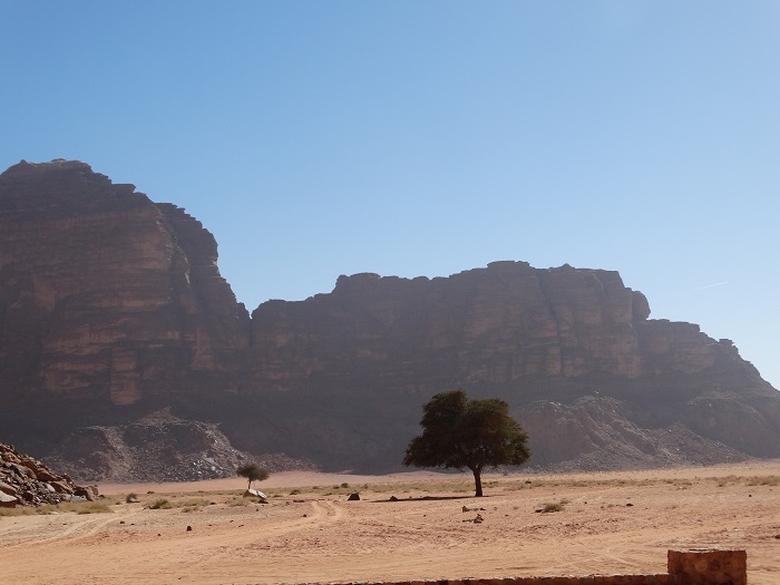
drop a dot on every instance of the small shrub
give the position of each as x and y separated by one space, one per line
160 504
768 480
91 508
550 507
345 485
19 511
77 507
193 504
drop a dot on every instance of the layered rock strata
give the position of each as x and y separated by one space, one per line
595 381
112 308
106 298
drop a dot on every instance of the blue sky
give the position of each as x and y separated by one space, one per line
412 138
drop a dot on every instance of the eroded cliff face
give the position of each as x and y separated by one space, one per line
495 324
112 310
595 381
105 297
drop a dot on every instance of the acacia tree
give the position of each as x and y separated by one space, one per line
462 433
252 472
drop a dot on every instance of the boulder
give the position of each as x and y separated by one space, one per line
8 501
257 495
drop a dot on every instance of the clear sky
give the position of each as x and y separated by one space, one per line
413 138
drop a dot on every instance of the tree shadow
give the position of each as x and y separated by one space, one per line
395 500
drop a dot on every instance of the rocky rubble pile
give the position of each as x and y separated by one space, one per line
160 447
25 481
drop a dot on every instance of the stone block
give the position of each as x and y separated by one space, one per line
708 567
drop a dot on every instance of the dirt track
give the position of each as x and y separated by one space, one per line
609 524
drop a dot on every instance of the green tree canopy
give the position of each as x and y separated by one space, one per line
252 472
461 433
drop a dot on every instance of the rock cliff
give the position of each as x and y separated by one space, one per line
112 309
594 381
106 299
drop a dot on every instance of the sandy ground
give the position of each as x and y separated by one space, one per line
609 523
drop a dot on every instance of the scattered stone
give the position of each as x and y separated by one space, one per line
189 528
353 496
474 509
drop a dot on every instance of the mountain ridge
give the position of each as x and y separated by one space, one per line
112 308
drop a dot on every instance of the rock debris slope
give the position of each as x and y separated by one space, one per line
112 311
25 481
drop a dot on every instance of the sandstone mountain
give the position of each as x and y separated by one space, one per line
118 337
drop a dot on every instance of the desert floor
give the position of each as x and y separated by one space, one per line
605 523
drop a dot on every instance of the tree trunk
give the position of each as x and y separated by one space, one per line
477 480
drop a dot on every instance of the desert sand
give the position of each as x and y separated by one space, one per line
415 526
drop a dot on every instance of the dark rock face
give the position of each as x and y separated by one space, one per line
106 299
112 308
505 322
594 381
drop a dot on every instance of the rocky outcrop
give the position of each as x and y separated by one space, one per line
501 323
113 310
25 481
595 381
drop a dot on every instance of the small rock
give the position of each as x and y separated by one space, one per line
256 494
189 528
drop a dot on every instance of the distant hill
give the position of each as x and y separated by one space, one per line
118 337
